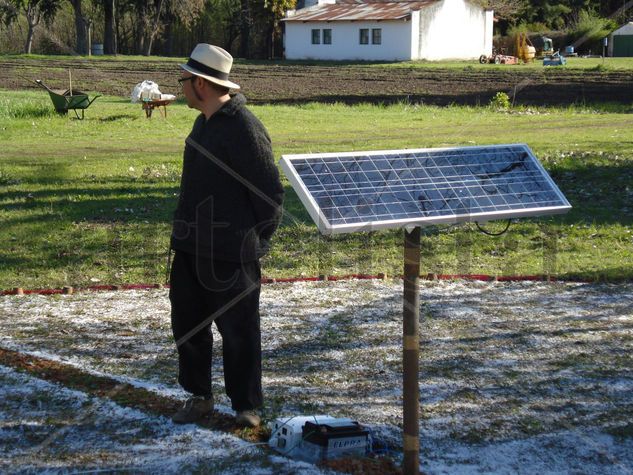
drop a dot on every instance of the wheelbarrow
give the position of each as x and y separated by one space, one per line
63 101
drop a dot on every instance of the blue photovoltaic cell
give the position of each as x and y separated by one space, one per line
395 188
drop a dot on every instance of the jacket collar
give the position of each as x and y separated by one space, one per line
232 106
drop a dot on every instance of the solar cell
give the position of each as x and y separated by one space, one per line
355 191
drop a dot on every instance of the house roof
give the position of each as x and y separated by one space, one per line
360 11
626 29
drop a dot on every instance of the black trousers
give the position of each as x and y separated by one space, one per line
205 290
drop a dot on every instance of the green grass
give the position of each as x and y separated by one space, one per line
91 201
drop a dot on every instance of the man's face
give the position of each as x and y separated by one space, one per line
186 82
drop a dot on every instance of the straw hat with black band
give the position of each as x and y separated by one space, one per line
211 63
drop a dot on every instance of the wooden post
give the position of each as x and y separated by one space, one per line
411 353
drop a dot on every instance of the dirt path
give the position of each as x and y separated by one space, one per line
291 83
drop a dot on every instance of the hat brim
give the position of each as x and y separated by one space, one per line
220 82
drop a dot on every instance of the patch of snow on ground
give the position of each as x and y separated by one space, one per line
45 427
513 375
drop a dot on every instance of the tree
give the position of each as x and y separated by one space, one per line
183 12
277 10
588 29
109 31
245 28
264 31
153 16
80 28
227 14
504 9
148 18
34 10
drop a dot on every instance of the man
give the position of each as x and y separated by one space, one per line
229 206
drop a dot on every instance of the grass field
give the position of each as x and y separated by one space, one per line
90 201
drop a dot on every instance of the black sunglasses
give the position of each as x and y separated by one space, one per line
181 80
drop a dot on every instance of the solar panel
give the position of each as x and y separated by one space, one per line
362 191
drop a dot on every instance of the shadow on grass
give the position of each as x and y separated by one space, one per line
113 118
103 206
88 220
599 194
610 274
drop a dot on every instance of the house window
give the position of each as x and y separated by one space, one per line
327 36
364 36
316 37
376 36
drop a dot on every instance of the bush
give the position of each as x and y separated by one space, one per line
500 101
12 38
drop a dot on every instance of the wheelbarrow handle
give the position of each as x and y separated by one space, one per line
42 85
93 99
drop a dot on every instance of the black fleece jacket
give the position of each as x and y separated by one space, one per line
230 193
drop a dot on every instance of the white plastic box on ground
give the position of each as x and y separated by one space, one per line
315 438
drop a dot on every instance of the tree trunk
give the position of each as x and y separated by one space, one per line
230 38
29 39
245 29
33 19
80 28
140 26
152 30
140 43
169 40
148 45
140 31
109 36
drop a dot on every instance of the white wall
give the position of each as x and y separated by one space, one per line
396 41
488 32
415 34
455 29
450 29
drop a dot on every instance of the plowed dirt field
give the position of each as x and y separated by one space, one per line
291 83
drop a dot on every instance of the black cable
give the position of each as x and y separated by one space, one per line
493 234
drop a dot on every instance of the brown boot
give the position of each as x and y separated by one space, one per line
194 409
248 418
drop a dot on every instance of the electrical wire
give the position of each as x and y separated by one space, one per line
489 233
285 451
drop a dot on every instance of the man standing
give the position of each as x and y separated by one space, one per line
229 206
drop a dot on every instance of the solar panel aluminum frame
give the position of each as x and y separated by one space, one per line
326 228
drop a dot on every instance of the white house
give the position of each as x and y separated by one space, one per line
382 30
